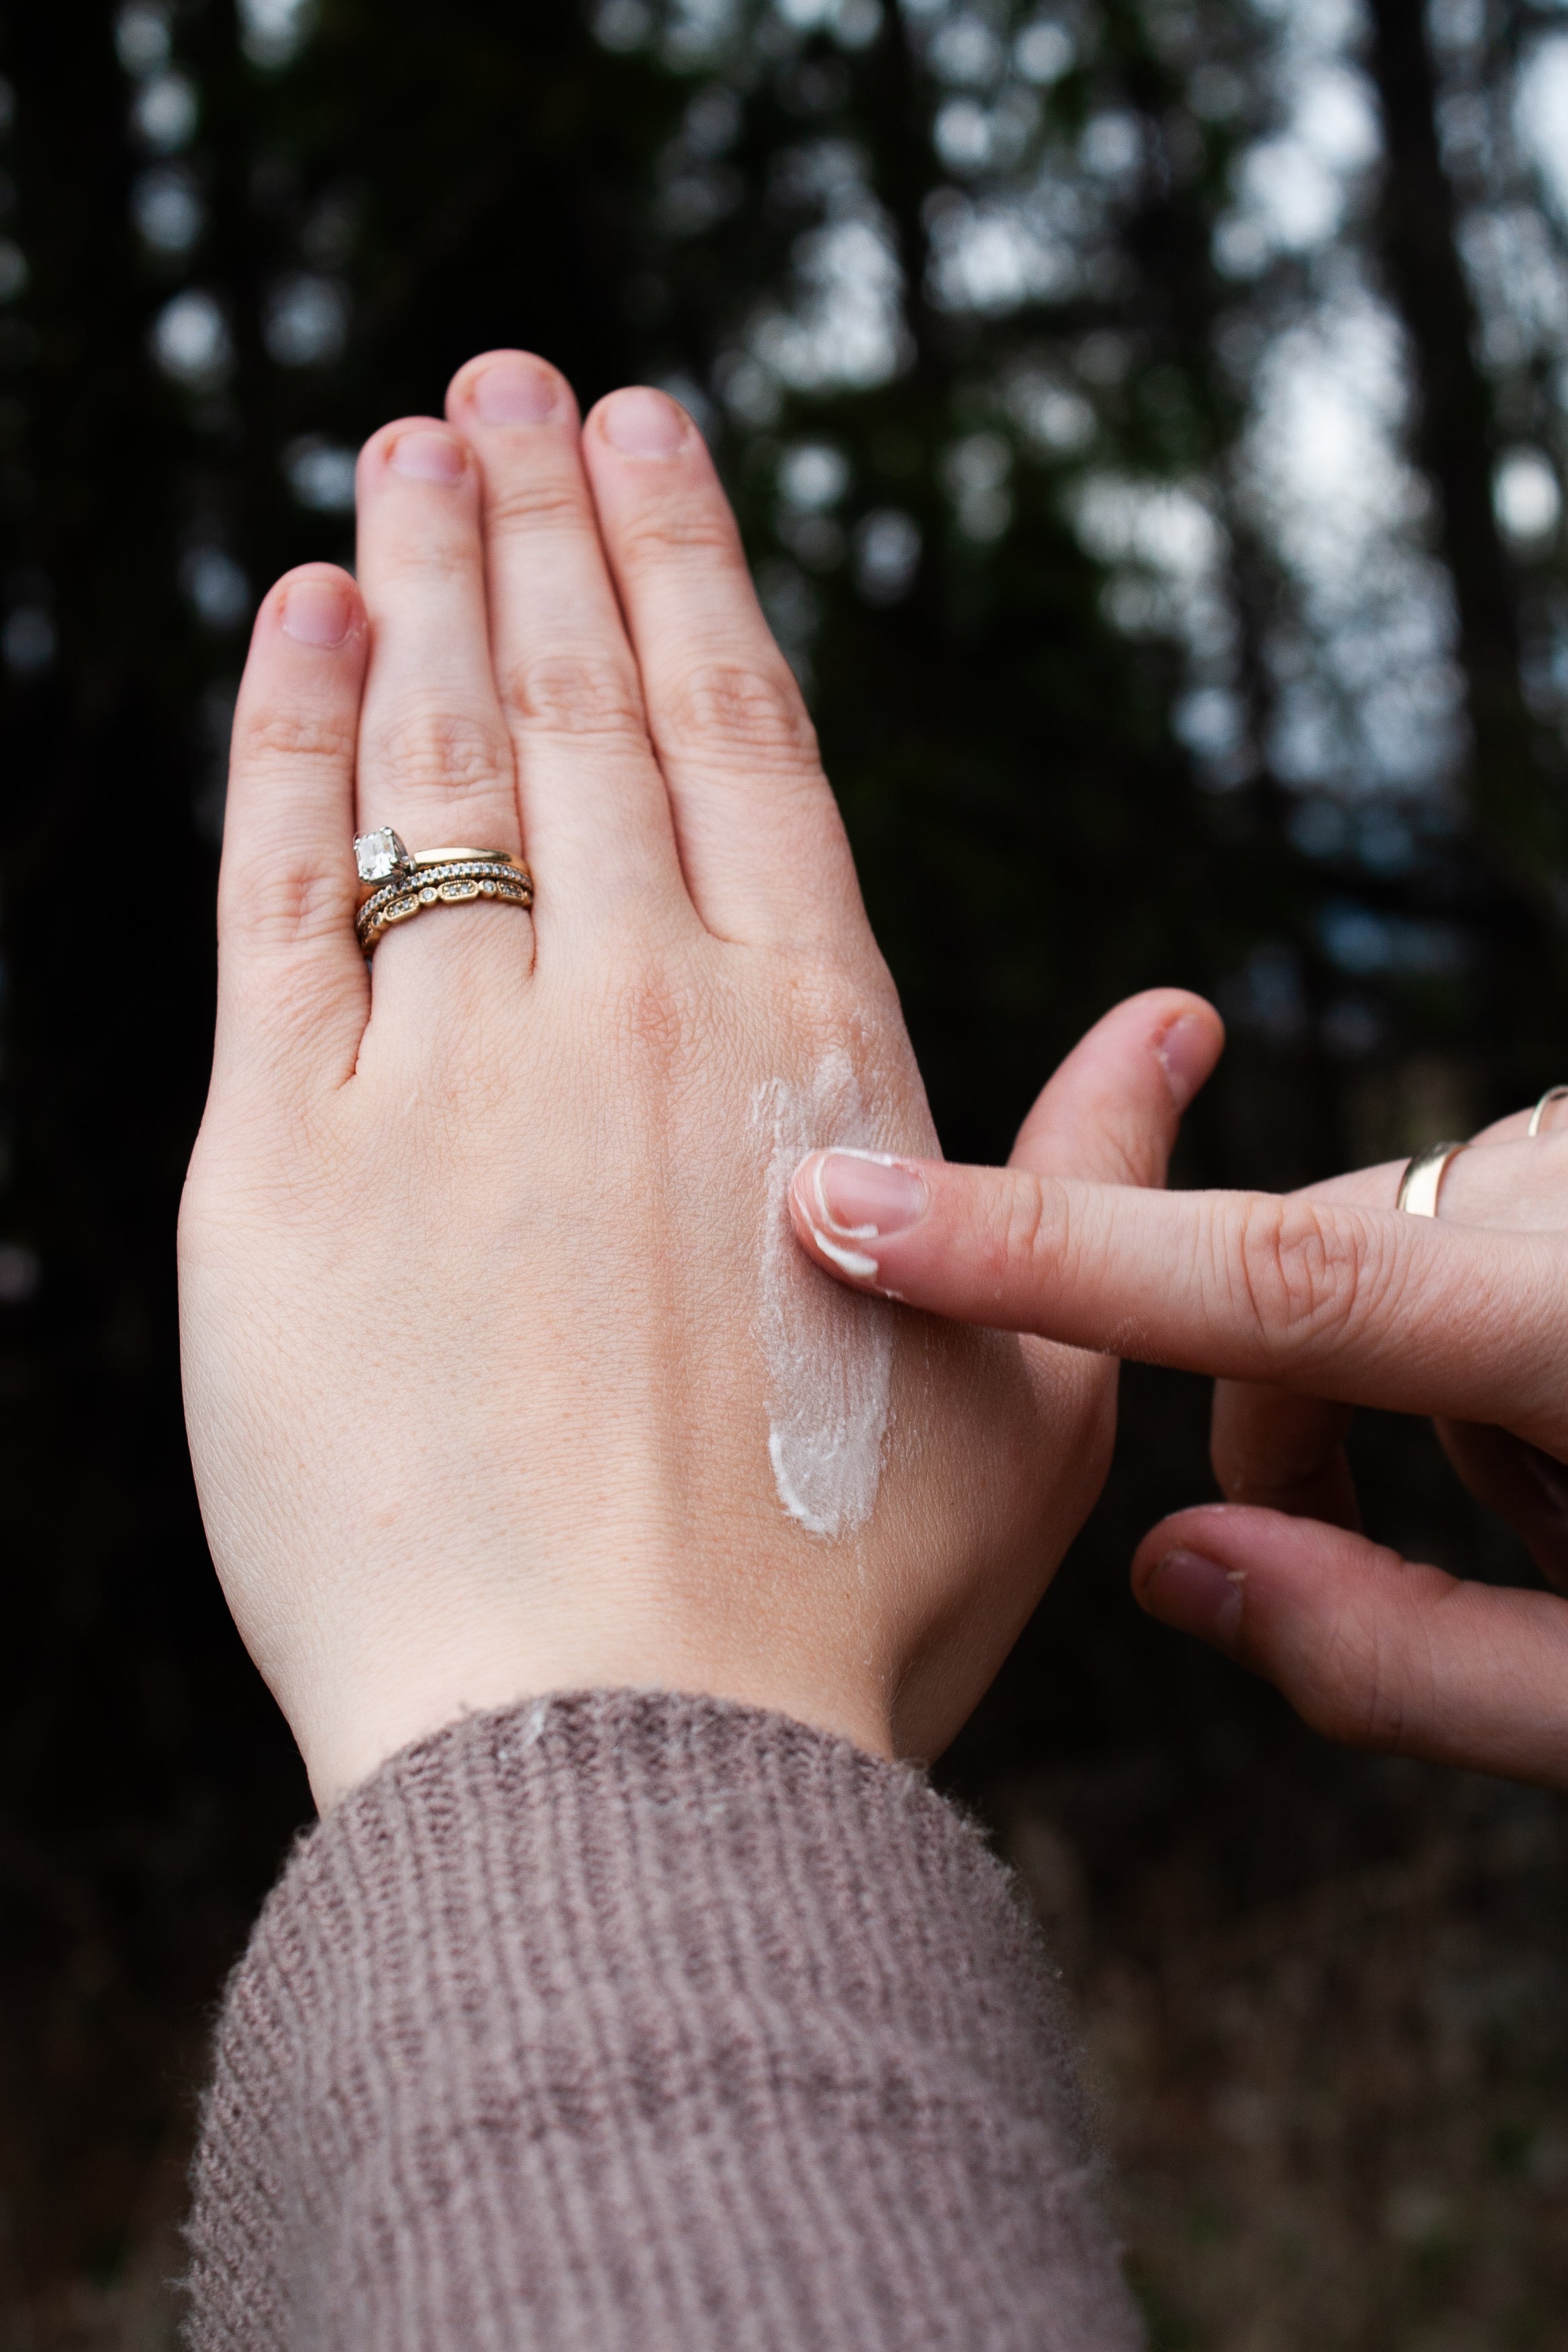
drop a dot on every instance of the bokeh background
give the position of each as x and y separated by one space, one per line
1147 418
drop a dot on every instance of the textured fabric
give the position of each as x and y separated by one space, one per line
637 2021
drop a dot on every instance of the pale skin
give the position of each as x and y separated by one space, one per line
469 1251
1303 1307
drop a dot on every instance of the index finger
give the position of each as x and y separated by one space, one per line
1365 1306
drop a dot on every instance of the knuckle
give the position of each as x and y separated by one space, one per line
425 748
826 993
275 738
1303 1278
753 707
1370 1686
431 566
576 694
525 502
680 528
281 904
657 1022
1023 1240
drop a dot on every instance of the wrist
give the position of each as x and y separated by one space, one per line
349 1723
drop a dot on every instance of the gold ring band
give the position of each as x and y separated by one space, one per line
452 864
437 878
382 860
1553 1095
1423 1179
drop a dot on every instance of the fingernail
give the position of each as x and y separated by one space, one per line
318 612
1186 1053
513 392
844 1199
643 424
867 1195
428 456
1197 1596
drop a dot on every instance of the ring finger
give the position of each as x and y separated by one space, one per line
436 762
1507 1182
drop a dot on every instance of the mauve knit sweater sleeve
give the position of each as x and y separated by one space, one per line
637 2021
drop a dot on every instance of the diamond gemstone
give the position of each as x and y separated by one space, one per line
379 856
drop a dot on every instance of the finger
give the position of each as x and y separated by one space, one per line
1375 1187
1522 1485
595 806
1113 1108
1286 1452
292 996
1515 1127
1513 1183
761 843
435 758
1371 1649
1364 1307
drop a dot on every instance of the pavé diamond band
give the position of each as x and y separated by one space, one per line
397 884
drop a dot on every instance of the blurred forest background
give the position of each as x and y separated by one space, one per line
1148 420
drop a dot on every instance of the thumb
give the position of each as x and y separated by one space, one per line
1371 1649
1111 1111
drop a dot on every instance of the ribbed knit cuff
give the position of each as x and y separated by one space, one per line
636 2019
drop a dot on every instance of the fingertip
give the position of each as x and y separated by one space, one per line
1194 1594
639 422
1312 1602
307 649
509 388
1187 1047
1198 1529
1370 1648
1110 1111
846 1204
317 605
416 448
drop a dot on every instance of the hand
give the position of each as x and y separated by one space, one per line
503 1373
1306 1306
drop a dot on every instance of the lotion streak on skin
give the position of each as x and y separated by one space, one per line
829 1351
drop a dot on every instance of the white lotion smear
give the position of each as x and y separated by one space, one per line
829 1350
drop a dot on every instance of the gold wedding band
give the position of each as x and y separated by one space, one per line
1423 1179
397 884
1553 1095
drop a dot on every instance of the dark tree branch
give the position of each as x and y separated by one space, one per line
1516 777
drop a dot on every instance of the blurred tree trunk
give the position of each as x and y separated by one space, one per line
1517 768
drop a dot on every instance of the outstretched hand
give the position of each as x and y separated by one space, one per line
1303 1306
503 1373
